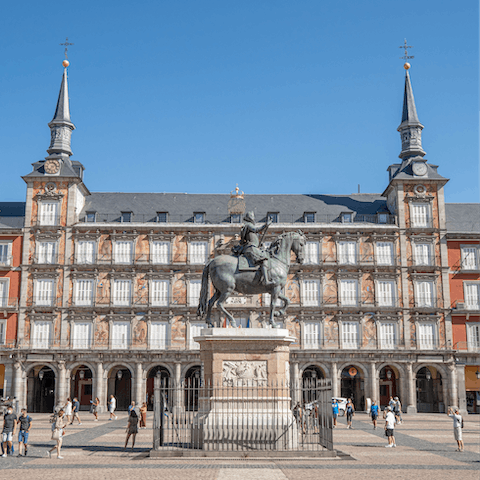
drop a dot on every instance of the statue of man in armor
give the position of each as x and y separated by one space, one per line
250 244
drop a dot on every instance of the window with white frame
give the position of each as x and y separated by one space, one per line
473 336
472 295
195 329
82 335
124 251
194 287
48 213
420 213
5 253
347 253
198 252
386 293
44 292
85 252
122 292
422 253
120 335
426 335
348 292
160 252
83 292
4 286
47 252
159 293
311 292
384 253
312 338
3 332
387 335
159 335
42 331
470 257
424 293
350 334
312 253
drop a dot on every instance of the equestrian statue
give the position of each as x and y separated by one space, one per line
251 269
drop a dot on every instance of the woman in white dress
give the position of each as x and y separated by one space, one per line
68 409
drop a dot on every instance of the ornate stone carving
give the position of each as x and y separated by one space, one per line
238 373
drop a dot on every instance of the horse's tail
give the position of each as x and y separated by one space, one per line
203 300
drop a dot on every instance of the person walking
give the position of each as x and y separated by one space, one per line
76 409
68 410
25 422
143 415
112 405
389 428
95 405
58 432
132 427
374 414
457 427
398 411
350 413
335 411
132 407
9 429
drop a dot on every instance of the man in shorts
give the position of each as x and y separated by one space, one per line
390 427
335 411
75 410
457 427
25 422
112 405
9 429
374 414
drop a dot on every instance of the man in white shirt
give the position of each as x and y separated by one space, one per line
112 405
389 428
457 427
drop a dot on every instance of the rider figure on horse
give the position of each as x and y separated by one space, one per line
250 245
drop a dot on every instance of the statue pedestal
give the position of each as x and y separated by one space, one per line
246 403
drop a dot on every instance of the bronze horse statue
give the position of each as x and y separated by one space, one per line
227 278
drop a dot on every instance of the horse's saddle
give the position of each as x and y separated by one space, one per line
246 265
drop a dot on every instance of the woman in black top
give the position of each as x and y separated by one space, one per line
350 413
132 427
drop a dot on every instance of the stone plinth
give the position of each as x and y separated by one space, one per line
247 400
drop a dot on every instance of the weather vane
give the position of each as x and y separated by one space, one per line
67 44
405 47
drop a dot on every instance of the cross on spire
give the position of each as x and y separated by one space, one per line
68 44
405 47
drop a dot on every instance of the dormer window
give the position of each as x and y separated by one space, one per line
273 217
382 218
309 217
162 217
199 217
91 217
235 218
347 218
126 217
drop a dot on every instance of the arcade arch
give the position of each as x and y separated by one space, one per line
41 384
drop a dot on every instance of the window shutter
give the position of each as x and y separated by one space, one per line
385 253
120 335
195 329
198 252
311 292
422 254
3 293
4 260
348 292
427 335
350 334
387 335
472 296
420 215
44 292
194 292
124 252
424 292
312 253
158 335
2 333
82 335
122 292
160 293
41 336
473 336
385 293
86 250
312 335
84 292
469 258
160 252
48 213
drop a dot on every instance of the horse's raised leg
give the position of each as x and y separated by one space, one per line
221 300
211 303
273 300
286 303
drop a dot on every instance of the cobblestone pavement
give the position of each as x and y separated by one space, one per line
425 449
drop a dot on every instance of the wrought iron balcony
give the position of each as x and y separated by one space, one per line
8 303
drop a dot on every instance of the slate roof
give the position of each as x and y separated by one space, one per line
12 214
75 170
463 217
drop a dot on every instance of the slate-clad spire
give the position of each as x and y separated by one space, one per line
410 129
61 126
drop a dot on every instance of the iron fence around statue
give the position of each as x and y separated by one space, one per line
242 417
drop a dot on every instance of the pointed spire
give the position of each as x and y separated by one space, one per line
410 128
61 126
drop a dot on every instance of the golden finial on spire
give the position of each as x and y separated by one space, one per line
237 193
66 63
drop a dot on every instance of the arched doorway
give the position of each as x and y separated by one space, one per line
389 384
192 386
309 382
120 385
41 390
164 375
429 391
81 386
352 386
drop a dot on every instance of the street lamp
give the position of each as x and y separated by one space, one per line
81 374
428 375
119 374
40 375
477 374
389 374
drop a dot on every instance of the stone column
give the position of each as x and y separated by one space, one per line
296 383
462 394
139 388
335 388
100 388
18 384
178 397
373 382
61 389
412 390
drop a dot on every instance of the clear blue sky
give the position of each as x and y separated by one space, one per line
196 96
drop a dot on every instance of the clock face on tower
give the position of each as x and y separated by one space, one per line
52 166
419 168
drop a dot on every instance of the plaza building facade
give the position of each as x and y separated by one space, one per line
110 283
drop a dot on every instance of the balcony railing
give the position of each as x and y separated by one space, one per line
282 218
43 302
6 261
352 301
424 262
56 259
424 224
47 221
8 303
140 259
472 346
